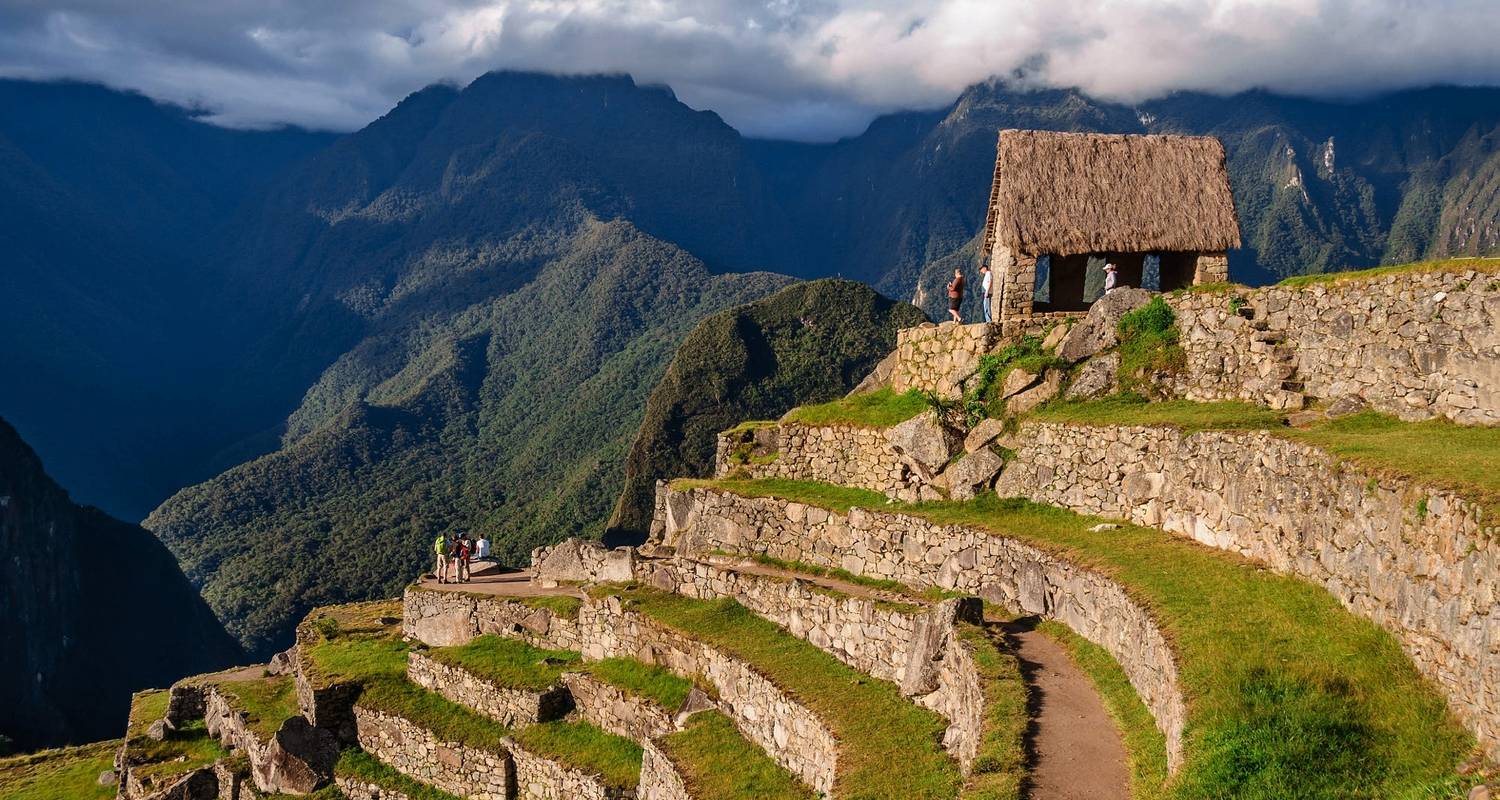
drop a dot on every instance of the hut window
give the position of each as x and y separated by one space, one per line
1042 290
1151 273
1093 278
1176 270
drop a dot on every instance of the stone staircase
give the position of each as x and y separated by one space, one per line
1284 388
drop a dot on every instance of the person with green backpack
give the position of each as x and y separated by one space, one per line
440 546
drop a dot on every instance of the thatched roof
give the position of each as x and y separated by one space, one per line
1071 193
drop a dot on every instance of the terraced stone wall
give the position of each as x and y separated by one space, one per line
355 789
453 767
616 711
1416 345
511 707
660 779
913 551
791 733
842 454
1419 561
539 778
937 358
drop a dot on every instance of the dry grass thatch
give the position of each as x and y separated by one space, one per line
1071 193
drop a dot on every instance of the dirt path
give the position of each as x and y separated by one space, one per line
1074 748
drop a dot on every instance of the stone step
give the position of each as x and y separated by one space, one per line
1285 400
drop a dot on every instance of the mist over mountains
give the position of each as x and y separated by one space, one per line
305 352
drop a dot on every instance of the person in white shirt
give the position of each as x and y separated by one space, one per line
984 285
482 548
1110 271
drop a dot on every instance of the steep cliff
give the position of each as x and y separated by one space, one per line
91 609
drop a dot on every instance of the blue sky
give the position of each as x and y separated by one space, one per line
805 69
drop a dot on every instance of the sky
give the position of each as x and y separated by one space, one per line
801 69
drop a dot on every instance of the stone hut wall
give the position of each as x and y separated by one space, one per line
1419 561
937 358
916 552
1416 345
615 710
789 732
914 647
540 778
511 707
660 779
842 454
415 752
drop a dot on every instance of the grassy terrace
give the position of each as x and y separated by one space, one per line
184 750
358 764
376 658
889 747
878 409
67 773
514 664
1443 265
1289 695
269 702
1464 459
716 761
1000 765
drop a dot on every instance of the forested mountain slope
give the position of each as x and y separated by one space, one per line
91 609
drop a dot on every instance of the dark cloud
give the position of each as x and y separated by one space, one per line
800 68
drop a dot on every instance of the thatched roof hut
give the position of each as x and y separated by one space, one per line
1069 193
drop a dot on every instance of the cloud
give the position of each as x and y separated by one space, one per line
811 69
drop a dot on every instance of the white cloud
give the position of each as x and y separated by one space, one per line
804 68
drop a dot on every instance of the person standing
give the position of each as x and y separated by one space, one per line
956 295
985 285
1110 273
440 546
464 549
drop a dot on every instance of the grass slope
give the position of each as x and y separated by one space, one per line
1000 765
716 761
888 747
1354 276
881 408
67 773
1290 695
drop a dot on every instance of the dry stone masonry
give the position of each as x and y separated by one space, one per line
918 553
1417 345
1422 562
416 752
617 711
510 707
937 358
660 779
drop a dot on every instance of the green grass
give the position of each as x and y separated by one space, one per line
507 662
889 747
357 764
563 605
269 702
839 498
1290 695
1148 345
881 408
1000 765
1461 458
715 761
353 660
446 719
1145 747
67 773
586 748
652 682
1442 265
182 751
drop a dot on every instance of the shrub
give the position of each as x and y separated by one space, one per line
1148 346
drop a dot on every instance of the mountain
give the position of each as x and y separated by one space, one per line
91 610
808 343
112 333
509 414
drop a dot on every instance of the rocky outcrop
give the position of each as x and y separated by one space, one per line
297 759
1417 345
1422 562
575 560
1099 329
919 553
924 443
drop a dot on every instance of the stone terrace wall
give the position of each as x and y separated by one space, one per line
938 358
1416 345
842 454
1432 579
617 711
660 779
912 646
919 553
789 732
356 789
539 778
511 707
414 751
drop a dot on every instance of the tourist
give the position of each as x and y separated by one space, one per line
462 550
482 548
1110 272
956 295
984 284
440 546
